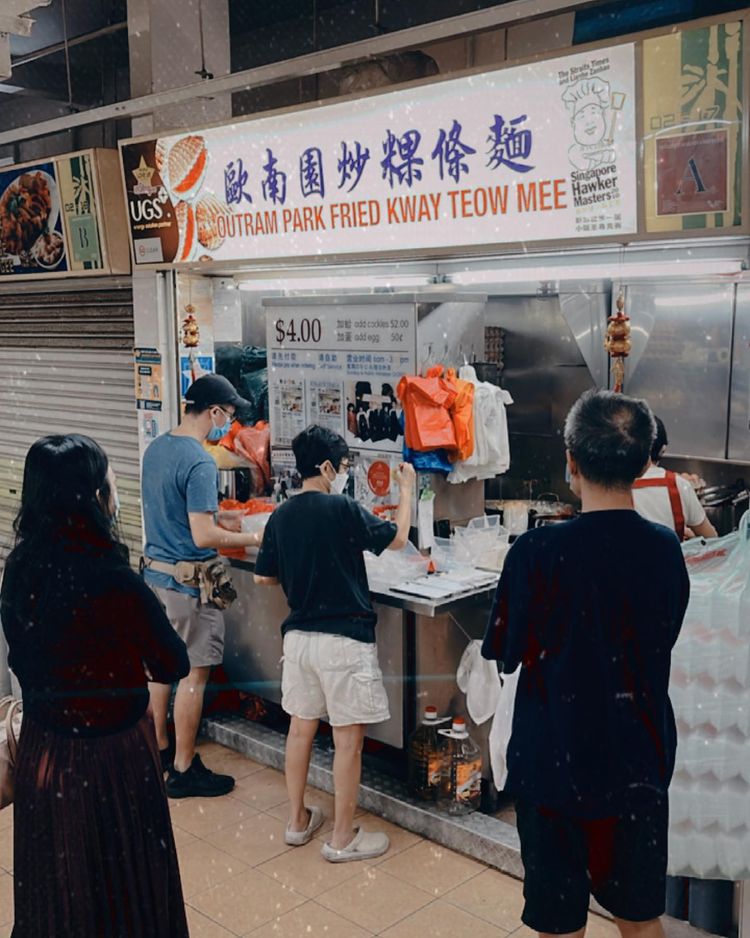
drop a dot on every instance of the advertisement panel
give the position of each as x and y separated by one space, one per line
544 151
692 133
32 238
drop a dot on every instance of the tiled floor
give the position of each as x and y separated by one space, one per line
239 878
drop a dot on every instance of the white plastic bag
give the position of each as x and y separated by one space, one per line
479 680
502 727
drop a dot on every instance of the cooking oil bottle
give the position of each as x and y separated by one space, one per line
425 757
461 778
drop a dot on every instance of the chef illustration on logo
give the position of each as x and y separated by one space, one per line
592 109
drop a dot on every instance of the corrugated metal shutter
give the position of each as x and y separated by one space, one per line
67 367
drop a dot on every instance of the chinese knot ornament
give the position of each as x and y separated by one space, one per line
191 333
617 343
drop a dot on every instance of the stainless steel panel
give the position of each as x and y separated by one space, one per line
252 655
545 373
681 360
586 312
739 398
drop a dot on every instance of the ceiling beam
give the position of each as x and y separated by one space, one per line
19 60
16 7
15 25
507 14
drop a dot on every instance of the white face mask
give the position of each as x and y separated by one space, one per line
339 484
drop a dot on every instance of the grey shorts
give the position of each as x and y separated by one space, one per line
200 627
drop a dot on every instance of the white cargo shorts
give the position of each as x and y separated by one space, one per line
332 676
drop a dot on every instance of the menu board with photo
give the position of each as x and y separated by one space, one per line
32 239
339 367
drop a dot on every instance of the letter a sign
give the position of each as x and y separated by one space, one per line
691 173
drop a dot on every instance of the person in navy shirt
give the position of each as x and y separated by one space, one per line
590 610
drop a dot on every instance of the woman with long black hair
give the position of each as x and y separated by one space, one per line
93 843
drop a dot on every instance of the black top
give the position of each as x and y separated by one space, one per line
81 663
313 544
591 608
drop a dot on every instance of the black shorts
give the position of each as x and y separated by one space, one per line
620 860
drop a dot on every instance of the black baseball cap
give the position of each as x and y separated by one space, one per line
214 389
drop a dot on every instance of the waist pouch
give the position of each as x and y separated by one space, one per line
210 577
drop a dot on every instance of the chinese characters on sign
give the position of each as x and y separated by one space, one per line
339 367
537 152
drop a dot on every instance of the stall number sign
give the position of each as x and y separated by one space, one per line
535 152
339 367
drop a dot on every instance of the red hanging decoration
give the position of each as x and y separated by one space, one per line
617 342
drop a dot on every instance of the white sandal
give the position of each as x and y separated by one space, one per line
364 846
300 838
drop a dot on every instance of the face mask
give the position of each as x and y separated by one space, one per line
217 433
339 484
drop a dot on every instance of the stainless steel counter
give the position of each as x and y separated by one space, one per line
420 643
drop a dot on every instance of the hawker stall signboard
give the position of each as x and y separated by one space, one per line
339 367
535 152
61 217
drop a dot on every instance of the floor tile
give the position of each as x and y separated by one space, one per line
202 866
432 868
202 927
228 762
400 839
6 898
182 838
6 850
441 920
374 900
313 798
6 930
246 902
262 790
6 818
304 869
253 841
494 897
309 921
204 816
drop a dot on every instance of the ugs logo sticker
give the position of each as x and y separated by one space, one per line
149 209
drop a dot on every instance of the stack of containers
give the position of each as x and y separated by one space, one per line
710 691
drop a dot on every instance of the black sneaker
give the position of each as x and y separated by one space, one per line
198 782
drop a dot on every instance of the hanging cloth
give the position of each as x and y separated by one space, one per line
670 483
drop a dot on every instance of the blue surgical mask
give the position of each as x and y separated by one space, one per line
218 433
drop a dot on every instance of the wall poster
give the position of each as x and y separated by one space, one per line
692 129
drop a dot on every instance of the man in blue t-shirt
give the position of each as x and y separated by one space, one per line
313 546
590 610
180 485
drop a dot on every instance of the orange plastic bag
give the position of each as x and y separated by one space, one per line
462 414
254 445
427 421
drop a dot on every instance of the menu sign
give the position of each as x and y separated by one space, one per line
59 217
536 152
32 238
339 367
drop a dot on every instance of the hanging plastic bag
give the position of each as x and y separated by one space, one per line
462 414
254 445
426 403
478 679
502 727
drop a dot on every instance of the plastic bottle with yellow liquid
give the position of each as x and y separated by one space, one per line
461 780
425 757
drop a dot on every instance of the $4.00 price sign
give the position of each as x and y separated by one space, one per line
299 331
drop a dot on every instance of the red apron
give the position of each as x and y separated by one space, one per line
670 483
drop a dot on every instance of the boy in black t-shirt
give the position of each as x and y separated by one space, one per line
590 610
313 546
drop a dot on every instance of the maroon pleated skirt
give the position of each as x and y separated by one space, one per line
94 851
